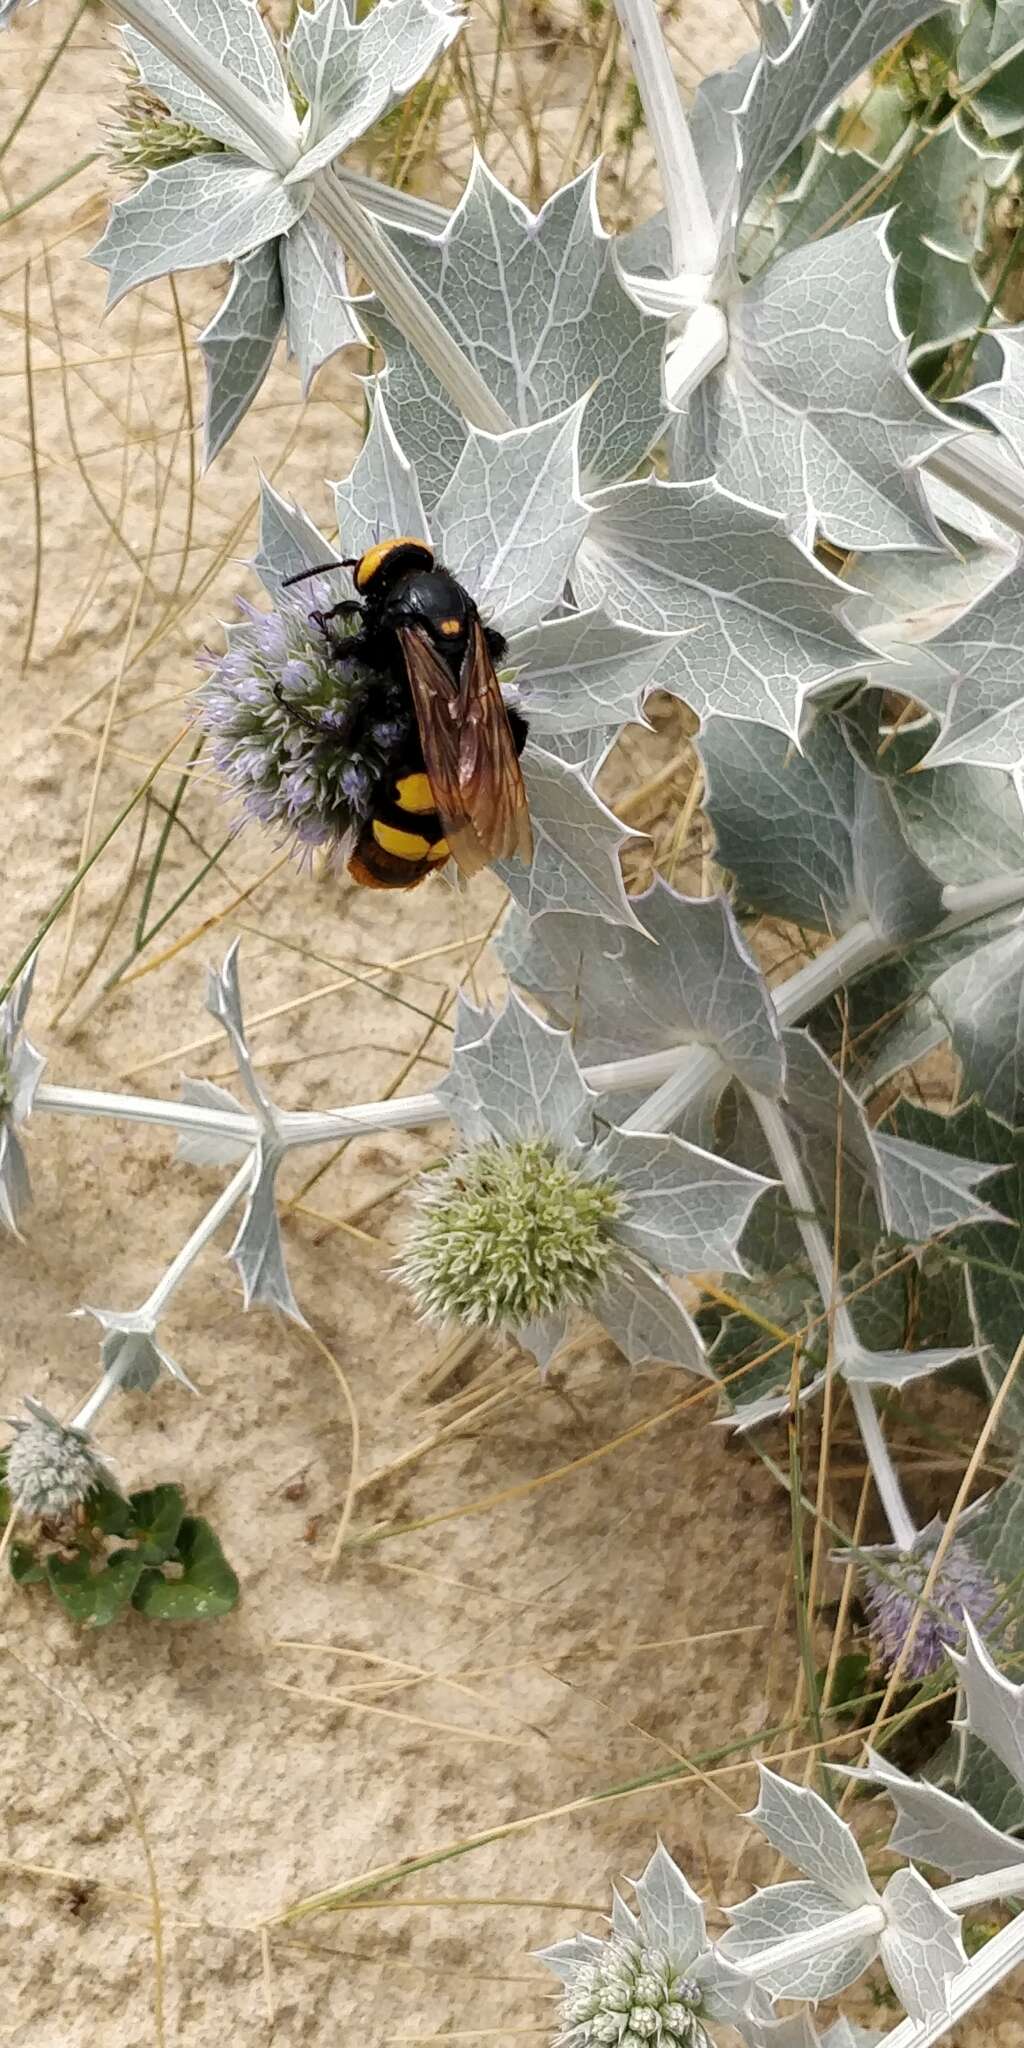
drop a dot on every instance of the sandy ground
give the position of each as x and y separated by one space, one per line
547 1642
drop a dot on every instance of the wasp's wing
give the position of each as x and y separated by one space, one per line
468 751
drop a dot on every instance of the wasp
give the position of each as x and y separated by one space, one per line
452 785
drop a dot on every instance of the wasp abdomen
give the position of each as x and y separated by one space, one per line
404 840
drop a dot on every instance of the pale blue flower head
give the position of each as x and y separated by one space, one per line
279 705
893 1582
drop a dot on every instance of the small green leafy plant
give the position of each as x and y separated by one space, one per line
112 1553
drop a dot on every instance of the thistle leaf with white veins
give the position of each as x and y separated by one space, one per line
683 1209
288 543
21 1070
934 1827
837 850
352 70
519 1079
1002 403
249 203
981 674
757 619
922 1948
201 211
696 985
812 413
649 1323
130 1347
830 43
381 493
510 520
934 198
258 1249
670 1912
576 842
583 672
804 1829
319 319
772 1917
994 1706
235 41
540 309
981 1000
239 342
929 1191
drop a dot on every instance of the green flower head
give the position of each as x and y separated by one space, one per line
630 1996
507 1233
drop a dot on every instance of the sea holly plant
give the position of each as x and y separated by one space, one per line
763 452
657 1977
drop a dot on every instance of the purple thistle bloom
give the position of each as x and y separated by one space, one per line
892 1596
311 770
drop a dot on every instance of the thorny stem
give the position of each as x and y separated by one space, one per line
204 1230
156 1302
846 1343
680 1075
858 1925
692 230
871 1919
335 203
107 1385
839 964
978 467
703 344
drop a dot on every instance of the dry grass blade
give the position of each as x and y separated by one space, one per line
37 494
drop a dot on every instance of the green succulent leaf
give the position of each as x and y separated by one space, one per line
109 1512
26 1569
95 1597
156 1519
206 1588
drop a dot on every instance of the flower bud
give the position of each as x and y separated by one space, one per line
51 1468
146 136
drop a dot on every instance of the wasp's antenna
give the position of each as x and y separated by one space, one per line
321 569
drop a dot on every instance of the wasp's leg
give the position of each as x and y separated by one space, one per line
349 608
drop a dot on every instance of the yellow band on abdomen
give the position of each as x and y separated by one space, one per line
407 845
414 793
